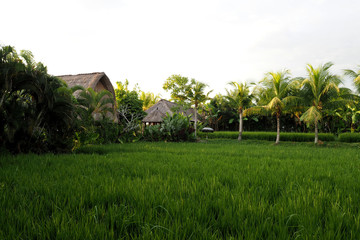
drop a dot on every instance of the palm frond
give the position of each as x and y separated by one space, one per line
311 115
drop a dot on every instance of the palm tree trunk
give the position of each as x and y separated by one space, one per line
195 119
352 127
277 128
240 125
316 132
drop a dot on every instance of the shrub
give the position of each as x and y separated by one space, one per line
153 133
108 131
271 136
349 137
36 109
174 128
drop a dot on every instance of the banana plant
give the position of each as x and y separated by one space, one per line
351 113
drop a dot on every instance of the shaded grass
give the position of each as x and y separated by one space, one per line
270 136
349 137
213 190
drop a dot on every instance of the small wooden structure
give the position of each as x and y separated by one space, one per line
157 112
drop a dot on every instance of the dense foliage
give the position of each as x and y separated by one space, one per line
270 136
187 93
39 113
96 117
349 137
130 107
36 109
316 103
214 190
174 128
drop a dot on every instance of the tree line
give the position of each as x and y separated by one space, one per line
40 113
277 102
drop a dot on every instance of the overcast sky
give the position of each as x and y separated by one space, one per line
213 41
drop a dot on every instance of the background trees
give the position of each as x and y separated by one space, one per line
36 109
240 99
355 75
148 99
275 94
130 109
178 87
320 92
187 92
38 112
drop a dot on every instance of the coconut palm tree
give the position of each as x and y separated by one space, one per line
240 98
320 90
275 92
355 75
195 93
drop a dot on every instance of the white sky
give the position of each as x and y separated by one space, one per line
213 41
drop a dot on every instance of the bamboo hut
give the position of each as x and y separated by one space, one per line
157 112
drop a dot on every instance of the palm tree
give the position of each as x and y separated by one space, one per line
276 93
196 95
36 109
95 104
355 75
240 98
320 90
148 99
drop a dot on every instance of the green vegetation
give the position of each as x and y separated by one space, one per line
214 190
270 136
320 93
39 113
174 128
36 109
276 93
349 137
187 92
240 99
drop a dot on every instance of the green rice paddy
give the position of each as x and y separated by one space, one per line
221 189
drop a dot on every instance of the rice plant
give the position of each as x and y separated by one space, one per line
221 189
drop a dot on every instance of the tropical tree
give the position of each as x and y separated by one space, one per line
196 95
127 98
148 99
179 87
355 75
36 109
130 109
276 95
95 105
320 91
349 114
239 98
186 91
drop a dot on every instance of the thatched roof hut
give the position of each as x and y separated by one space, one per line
157 112
97 81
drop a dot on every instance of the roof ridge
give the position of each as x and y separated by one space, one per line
81 74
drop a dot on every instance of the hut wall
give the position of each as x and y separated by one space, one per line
99 87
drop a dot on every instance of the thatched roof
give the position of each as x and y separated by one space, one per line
97 81
155 117
157 112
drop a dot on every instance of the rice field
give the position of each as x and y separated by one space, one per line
221 189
